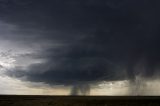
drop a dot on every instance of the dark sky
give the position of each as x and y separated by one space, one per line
81 41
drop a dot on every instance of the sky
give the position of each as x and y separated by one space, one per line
79 47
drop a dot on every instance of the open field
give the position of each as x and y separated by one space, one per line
12 100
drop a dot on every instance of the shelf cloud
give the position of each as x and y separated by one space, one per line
80 42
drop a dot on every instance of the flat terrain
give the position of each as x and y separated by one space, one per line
12 100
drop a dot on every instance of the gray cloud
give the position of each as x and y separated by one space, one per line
84 41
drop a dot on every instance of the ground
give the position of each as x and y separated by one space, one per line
78 101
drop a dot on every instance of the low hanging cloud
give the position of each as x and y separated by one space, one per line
82 41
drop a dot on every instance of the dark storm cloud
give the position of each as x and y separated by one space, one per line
101 38
60 14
